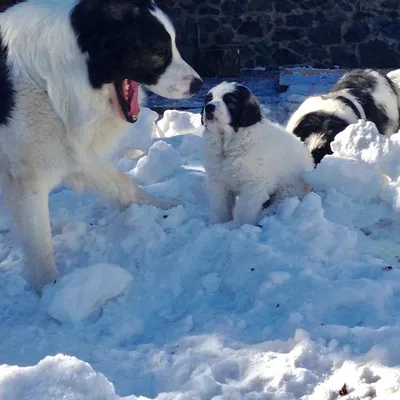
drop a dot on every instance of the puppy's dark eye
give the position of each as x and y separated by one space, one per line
208 98
229 98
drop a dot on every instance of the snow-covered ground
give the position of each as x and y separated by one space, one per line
164 305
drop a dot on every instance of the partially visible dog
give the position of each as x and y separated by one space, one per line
69 88
360 94
251 162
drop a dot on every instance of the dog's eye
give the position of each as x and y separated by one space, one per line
229 98
208 98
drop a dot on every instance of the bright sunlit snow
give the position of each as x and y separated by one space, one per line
164 305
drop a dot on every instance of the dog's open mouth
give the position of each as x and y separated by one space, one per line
126 99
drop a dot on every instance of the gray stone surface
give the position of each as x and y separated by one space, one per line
271 33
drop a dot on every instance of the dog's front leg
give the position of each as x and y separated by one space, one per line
248 208
103 177
221 201
28 200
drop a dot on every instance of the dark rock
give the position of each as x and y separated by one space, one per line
251 28
298 47
281 34
357 32
325 34
260 5
207 10
377 54
209 25
232 7
302 20
262 61
286 6
392 30
344 57
235 23
391 4
285 57
224 36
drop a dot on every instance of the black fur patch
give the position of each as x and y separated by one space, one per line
123 40
7 93
350 104
243 107
329 125
361 84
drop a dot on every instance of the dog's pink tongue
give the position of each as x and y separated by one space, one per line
134 96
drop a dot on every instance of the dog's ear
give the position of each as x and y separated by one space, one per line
202 118
251 112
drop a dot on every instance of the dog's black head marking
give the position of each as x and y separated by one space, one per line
123 40
243 106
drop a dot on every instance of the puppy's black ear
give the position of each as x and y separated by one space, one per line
202 118
251 112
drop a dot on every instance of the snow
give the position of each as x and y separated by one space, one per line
160 163
163 305
59 377
76 296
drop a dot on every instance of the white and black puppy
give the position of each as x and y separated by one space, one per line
250 161
69 75
360 94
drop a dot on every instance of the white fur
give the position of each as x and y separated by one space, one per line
384 97
395 77
328 104
62 129
178 76
251 164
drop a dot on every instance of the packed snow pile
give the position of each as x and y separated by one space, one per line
76 296
160 163
59 377
364 164
179 123
167 306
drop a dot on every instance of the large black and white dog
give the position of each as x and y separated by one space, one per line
69 79
360 94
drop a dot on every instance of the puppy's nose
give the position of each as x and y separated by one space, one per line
210 108
195 85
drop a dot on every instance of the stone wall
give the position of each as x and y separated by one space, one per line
271 33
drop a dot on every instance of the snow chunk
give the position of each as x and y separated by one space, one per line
348 176
161 162
76 296
179 123
361 141
58 377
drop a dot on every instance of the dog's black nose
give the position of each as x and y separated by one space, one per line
210 108
195 85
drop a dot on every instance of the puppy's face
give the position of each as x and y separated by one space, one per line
230 106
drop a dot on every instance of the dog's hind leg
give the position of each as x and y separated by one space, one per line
28 200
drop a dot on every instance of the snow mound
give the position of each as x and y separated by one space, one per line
76 296
161 162
58 377
179 123
139 135
364 165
